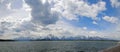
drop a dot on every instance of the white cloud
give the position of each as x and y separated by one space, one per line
71 8
111 19
12 18
85 28
94 22
43 1
115 3
93 32
17 16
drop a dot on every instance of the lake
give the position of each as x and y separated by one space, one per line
55 46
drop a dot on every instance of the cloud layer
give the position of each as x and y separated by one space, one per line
40 18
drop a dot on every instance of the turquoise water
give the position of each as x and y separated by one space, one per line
55 46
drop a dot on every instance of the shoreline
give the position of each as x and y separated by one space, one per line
115 48
60 40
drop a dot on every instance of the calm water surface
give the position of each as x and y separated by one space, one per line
55 46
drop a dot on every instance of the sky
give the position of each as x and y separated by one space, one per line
40 18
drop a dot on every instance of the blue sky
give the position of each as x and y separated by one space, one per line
102 24
39 18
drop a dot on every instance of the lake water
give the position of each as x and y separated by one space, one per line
55 46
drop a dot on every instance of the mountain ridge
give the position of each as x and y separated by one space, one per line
63 38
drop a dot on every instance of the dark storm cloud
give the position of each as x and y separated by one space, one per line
41 13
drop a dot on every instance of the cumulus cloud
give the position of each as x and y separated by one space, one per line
111 19
12 17
70 9
115 3
41 13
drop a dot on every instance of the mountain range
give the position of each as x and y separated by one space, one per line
63 38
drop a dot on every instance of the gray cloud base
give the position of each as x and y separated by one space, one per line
41 13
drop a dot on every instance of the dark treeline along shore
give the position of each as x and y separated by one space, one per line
6 40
